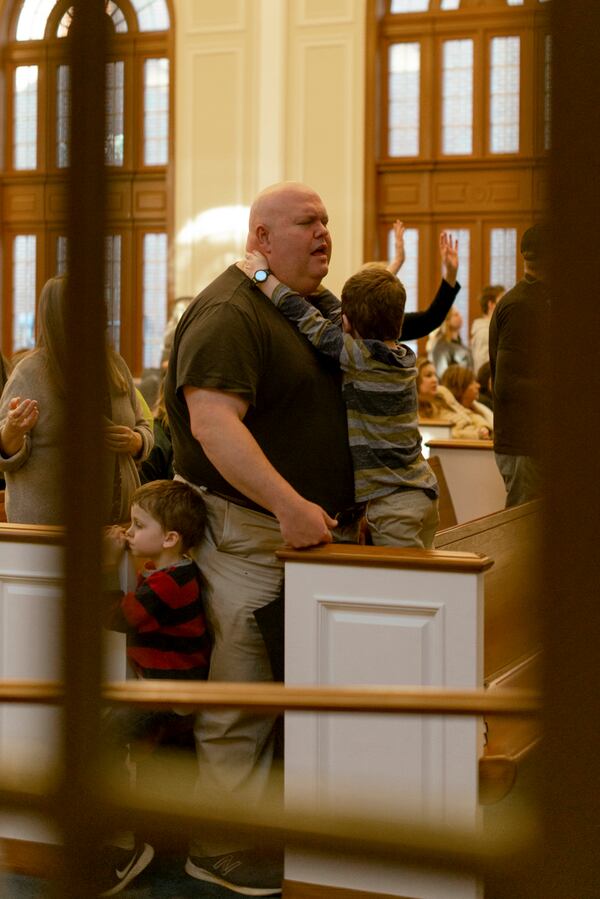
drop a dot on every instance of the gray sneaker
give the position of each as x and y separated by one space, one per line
120 866
246 872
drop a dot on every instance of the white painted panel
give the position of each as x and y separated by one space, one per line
353 625
325 107
474 482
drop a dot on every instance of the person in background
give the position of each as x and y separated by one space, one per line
437 403
480 329
484 379
518 332
31 425
464 387
179 307
159 464
448 348
4 372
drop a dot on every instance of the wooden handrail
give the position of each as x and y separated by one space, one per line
345 829
461 444
434 423
388 557
32 533
272 697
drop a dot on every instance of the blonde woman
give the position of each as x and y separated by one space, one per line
31 425
464 387
438 402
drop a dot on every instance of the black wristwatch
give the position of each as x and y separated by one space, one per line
261 275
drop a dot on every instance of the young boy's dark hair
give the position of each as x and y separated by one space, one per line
373 301
176 506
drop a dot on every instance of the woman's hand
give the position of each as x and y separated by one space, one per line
21 419
121 439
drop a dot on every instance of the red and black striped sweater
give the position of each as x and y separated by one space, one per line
165 623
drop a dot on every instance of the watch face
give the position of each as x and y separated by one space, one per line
261 275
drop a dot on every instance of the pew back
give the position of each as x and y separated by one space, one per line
511 539
475 484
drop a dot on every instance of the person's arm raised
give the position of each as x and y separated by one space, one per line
216 422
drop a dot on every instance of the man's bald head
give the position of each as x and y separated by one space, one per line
288 224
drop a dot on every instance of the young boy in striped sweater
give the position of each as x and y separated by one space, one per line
391 477
164 620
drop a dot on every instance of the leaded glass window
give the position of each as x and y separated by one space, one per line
23 291
503 256
505 72
457 97
156 111
404 99
154 297
115 99
112 288
25 114
153 15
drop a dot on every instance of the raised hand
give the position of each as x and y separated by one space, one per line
399 252
449 257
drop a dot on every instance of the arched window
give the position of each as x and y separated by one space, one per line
138 155
460 122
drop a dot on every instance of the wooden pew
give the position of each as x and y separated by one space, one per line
433 429
511 631
395 616
356 615
31 606
475 484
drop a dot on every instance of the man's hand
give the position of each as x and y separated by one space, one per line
399 252
449 257
304 523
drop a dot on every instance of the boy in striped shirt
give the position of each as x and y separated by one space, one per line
391 478
167 637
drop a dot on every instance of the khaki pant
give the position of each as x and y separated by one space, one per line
241 574
403 518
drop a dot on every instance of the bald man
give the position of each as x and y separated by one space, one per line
258 424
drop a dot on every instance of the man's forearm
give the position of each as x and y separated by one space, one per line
216 420
231 448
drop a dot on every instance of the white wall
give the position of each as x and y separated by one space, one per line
266 90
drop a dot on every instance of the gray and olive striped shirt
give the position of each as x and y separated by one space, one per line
380 393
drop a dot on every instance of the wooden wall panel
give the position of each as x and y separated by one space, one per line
22 202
